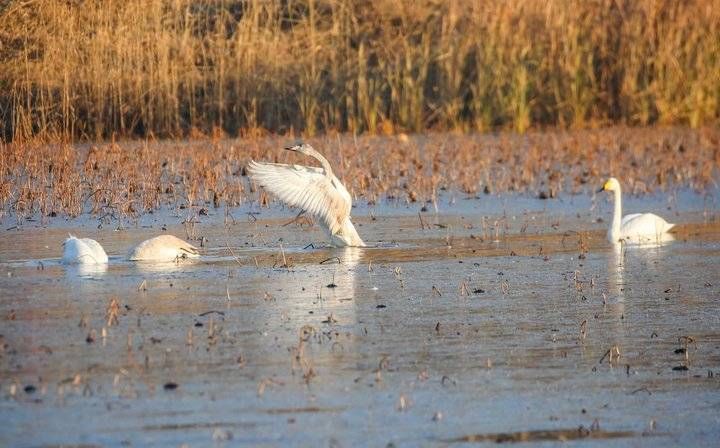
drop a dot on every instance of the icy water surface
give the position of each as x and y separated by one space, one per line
486 322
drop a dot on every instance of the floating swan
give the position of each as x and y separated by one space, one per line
315 190
637 227
83 251
163 248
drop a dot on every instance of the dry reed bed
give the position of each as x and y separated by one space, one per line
92 70
125 180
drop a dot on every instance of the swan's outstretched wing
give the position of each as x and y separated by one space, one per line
304 187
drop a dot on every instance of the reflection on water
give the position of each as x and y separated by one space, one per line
636 271
616 271
641 252
617 284
85 271
330 283
160 267
658 239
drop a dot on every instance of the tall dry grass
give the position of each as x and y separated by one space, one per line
80 69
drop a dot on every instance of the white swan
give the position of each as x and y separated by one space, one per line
163 248
637 227
83 251
316 190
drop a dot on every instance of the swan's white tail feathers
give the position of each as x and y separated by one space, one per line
83 251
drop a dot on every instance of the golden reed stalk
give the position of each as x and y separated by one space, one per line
76 69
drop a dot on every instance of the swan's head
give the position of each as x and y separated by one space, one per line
302 148
611 184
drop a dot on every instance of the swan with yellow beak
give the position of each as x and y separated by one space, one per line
636 227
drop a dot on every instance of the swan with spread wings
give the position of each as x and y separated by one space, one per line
315 190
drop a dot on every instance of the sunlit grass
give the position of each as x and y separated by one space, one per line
92 70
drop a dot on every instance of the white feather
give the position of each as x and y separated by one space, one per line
641 227
315 190
163 248
83 251
636 227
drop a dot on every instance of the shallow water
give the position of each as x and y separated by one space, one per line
496 319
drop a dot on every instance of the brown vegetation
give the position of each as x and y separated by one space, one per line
78 69
125 180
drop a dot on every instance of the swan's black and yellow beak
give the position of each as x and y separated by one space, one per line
606 186
293 147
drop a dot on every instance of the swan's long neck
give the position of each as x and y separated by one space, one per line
323 161
617 215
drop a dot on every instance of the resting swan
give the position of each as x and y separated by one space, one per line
163 248
636 227
315 190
